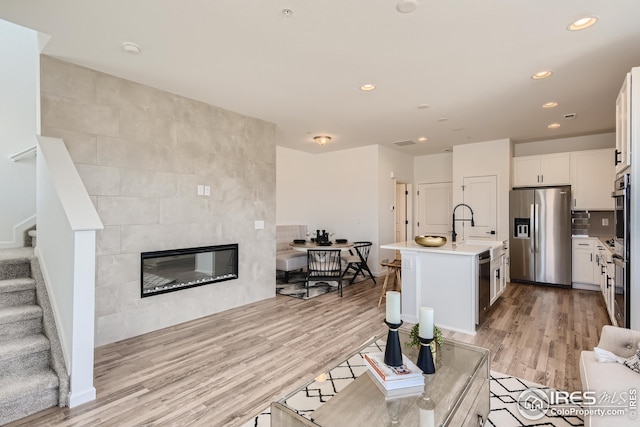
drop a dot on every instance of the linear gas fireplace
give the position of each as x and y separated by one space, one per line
173 270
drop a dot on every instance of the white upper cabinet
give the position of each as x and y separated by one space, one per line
547 169
623 126
592 176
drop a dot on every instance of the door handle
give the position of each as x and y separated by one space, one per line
615 158
532 218
536 225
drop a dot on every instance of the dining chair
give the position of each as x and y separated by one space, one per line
358 261
324 265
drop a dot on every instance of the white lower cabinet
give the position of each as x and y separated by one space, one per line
607 273
498 278
583 264
593 269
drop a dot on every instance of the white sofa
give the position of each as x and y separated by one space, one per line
611 377
287 258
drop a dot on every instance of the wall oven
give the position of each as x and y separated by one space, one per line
621 258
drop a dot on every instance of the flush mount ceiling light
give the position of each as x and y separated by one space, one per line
582 23
423 139
542 75
550 104
554 126
321 139
406 6
367 87
131 47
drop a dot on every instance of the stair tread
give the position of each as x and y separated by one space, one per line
17 387
19 312
20 284
17 347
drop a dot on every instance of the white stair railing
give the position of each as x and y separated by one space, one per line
30 151
67 224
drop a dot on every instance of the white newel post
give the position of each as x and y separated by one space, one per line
82 389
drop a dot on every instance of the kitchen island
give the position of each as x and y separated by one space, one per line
445 278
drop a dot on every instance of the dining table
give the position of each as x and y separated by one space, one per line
313 245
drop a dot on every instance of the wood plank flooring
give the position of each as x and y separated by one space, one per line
223 369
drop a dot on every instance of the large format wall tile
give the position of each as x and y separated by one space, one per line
142 153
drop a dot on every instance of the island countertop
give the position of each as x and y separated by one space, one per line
463 248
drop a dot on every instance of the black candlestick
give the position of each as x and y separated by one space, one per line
392 351
425 357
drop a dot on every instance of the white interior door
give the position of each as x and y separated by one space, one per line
479 192
434 208
404 217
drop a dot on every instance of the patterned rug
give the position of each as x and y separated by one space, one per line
505 391
296 286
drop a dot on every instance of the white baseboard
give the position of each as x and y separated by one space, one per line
18 233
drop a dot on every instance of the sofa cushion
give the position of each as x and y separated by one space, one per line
633 362
291 260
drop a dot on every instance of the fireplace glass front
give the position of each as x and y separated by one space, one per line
173 270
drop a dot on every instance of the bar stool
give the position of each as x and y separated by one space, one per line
394 266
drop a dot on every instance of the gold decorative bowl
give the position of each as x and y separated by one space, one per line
431 241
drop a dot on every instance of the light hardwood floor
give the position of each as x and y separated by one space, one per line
222 369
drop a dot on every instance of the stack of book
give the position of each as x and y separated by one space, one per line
395 382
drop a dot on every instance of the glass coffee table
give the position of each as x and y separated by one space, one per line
346 394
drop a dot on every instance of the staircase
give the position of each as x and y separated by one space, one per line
32 371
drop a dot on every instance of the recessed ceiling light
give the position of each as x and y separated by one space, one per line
550 104
443 119
423 106
287 12
131 47
554 126
406 6
321 139
423 139
582 23
457 129
367 87
541 75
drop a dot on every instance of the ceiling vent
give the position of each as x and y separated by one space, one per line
570 116
403 143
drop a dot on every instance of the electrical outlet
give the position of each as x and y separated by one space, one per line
605 222
207 190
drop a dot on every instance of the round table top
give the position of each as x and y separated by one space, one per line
313 245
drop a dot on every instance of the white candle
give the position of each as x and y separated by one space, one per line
426 323
393 307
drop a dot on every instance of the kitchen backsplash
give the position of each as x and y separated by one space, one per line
592 223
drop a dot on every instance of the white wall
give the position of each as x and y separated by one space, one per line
349 192
19 75
578 143
402 167
486 158
433 168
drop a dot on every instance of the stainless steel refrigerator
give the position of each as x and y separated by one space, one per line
540 235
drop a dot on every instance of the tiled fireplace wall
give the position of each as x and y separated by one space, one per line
141 153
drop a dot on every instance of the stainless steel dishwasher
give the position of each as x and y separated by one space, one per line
484 286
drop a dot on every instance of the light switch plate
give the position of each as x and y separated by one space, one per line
259 225
200 190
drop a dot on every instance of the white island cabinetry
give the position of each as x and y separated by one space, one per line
445 278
